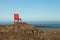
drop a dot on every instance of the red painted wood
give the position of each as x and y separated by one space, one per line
17 19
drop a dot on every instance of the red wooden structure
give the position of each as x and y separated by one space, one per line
17 19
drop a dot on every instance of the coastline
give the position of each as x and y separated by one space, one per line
25 31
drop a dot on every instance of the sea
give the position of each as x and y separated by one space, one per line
43 25
46 25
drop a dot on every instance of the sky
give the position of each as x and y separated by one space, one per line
30 10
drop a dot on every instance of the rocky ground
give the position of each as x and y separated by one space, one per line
24 31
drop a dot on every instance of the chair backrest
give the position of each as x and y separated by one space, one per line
16 16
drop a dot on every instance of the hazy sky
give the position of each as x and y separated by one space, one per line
30 10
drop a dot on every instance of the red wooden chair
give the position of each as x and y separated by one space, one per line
17 19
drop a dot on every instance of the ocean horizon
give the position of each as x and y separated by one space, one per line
39 25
